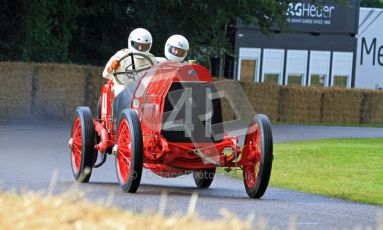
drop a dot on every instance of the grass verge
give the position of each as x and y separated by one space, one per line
349 169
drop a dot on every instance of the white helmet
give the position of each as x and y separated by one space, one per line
140 40
176 48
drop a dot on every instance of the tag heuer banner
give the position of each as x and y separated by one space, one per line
307 16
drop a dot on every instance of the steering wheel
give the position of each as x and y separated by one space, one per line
132 73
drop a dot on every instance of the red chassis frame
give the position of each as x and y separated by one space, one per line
166 158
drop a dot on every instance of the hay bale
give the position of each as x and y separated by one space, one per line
372 107
16 90
300 104
234 103
263 97
53 91
59 90
228 113
94 82
341 105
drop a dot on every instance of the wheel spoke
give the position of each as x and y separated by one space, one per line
77 151
125 161
251 171
124 151
77 145
77 160
77 142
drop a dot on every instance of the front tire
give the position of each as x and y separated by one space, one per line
82 149
129 158
259 156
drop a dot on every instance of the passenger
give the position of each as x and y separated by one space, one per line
176 48
139 41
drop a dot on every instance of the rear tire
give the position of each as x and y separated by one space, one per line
129 157
259 138
204 177
82 151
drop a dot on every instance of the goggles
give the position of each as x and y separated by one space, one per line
143 47
177 51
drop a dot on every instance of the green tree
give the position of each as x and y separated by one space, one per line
47 28
11 30
100 29
372 3
90 31
204 22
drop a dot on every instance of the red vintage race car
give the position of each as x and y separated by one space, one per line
168 119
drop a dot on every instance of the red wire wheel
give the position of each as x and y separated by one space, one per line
258 156
82 144
129 158
77 146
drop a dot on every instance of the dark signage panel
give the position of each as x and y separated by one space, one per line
328 17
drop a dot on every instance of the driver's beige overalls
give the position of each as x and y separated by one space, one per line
138 61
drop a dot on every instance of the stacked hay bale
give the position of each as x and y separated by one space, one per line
372 107
263 97
234 101
300 104
228 113
230 92
16 90
53 91
59 90
94 82
341 106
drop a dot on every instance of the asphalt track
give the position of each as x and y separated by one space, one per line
30 153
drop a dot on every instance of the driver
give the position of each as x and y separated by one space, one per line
140 41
